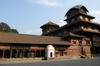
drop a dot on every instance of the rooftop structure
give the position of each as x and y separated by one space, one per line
80 37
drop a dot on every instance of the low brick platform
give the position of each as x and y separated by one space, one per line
19 60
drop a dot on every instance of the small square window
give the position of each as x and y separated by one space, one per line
65 52
57 52
87 42
74 42
80 42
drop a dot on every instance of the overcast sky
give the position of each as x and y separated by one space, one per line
28 15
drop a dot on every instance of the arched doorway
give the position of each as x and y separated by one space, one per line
32 54
7 54
42 53
26 53
50 51
14 53
61 53
37 53
51 54
1 53
20 53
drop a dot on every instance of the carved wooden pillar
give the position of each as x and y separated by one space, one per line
40 53
94 51
11 53
29 53
23 53
17 54
35 53
3 55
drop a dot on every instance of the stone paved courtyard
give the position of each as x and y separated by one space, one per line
78 62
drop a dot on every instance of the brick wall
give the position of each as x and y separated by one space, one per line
4 47
72 51
36 48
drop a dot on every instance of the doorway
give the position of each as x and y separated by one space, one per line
61 53
51 54
97 50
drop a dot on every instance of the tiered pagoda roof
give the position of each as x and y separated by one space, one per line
50 24
77 7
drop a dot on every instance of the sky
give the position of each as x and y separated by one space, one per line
28 15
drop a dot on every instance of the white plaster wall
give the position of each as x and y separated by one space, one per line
49 49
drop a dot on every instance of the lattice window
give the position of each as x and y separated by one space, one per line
87 42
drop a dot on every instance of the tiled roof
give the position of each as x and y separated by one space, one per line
72 35
50 23
77 7
30 39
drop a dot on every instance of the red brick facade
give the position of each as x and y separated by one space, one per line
79 37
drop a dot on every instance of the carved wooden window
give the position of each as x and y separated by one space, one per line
82 10
86 19
73 20
90 20
80 43
87 42
57 52
81 17
65 52
74 42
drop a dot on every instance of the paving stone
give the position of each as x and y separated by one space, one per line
75 62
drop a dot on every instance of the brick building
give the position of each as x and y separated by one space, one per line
78 38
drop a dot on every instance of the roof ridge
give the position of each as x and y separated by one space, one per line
30 39
27 34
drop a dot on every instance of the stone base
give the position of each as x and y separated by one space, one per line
68 57
89 55
96 55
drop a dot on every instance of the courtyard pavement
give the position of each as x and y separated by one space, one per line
75 62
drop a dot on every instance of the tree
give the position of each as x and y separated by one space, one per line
6 28
14 30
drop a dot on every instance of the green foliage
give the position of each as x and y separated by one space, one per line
6 28
14 30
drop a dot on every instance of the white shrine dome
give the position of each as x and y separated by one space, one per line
49 47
